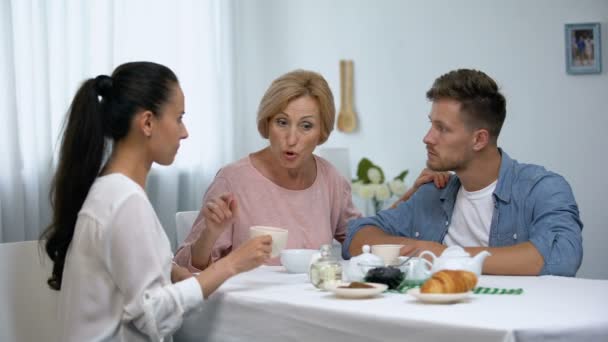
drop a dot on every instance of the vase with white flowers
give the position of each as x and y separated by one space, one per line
370 184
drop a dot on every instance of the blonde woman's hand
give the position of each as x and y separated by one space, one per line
439 178
220 212
251 254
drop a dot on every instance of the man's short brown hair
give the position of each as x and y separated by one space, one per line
482 103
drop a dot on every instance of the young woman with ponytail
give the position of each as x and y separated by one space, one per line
112 259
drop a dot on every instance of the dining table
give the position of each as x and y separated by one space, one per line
269 304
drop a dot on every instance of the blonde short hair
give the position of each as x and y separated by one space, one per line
294 85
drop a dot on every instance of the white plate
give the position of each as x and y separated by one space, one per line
357 293
440 298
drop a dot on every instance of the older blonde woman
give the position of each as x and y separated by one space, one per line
283 185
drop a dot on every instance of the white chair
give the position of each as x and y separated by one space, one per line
29 306
183 224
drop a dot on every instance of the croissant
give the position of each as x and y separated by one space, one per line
448 281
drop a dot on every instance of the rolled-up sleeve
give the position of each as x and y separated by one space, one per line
164 307
151 303
556 228
396 221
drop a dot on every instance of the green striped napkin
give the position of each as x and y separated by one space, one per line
404 286
498 291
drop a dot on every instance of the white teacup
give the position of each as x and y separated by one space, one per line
279 237
297 260
388 253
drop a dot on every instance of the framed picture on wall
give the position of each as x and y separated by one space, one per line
583 51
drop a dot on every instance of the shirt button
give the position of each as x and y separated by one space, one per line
417 234
447 223
515 236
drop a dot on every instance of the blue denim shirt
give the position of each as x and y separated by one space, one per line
530 204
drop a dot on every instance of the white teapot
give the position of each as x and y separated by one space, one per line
357 267
456 258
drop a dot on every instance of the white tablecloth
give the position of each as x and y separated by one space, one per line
268 304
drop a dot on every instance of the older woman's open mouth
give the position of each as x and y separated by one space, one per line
289 155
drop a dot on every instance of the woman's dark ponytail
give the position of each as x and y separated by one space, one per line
80 159
103 107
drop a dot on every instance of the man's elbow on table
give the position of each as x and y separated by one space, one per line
357 242
562 259
369 235
565 267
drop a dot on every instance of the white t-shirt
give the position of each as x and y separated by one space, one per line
116 281
471 218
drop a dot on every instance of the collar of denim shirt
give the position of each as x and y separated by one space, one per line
503 185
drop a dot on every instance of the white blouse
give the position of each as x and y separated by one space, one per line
116 281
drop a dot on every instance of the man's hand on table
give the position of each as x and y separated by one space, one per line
411 245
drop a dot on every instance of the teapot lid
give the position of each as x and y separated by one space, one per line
367 258
455 251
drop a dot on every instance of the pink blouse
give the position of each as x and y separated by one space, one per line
313 216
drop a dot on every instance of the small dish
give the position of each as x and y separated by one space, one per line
356 293
438 298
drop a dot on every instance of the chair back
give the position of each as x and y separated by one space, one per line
29 307
183 224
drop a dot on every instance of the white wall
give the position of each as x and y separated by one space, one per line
400 47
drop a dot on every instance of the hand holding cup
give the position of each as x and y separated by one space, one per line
279 237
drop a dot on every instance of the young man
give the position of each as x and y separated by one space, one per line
523 214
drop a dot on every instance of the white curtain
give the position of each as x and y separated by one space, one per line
49 47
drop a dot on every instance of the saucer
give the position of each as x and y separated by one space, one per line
356 293
438 298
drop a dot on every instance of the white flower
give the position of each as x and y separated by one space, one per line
366 191
374 175
382 192
398 187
